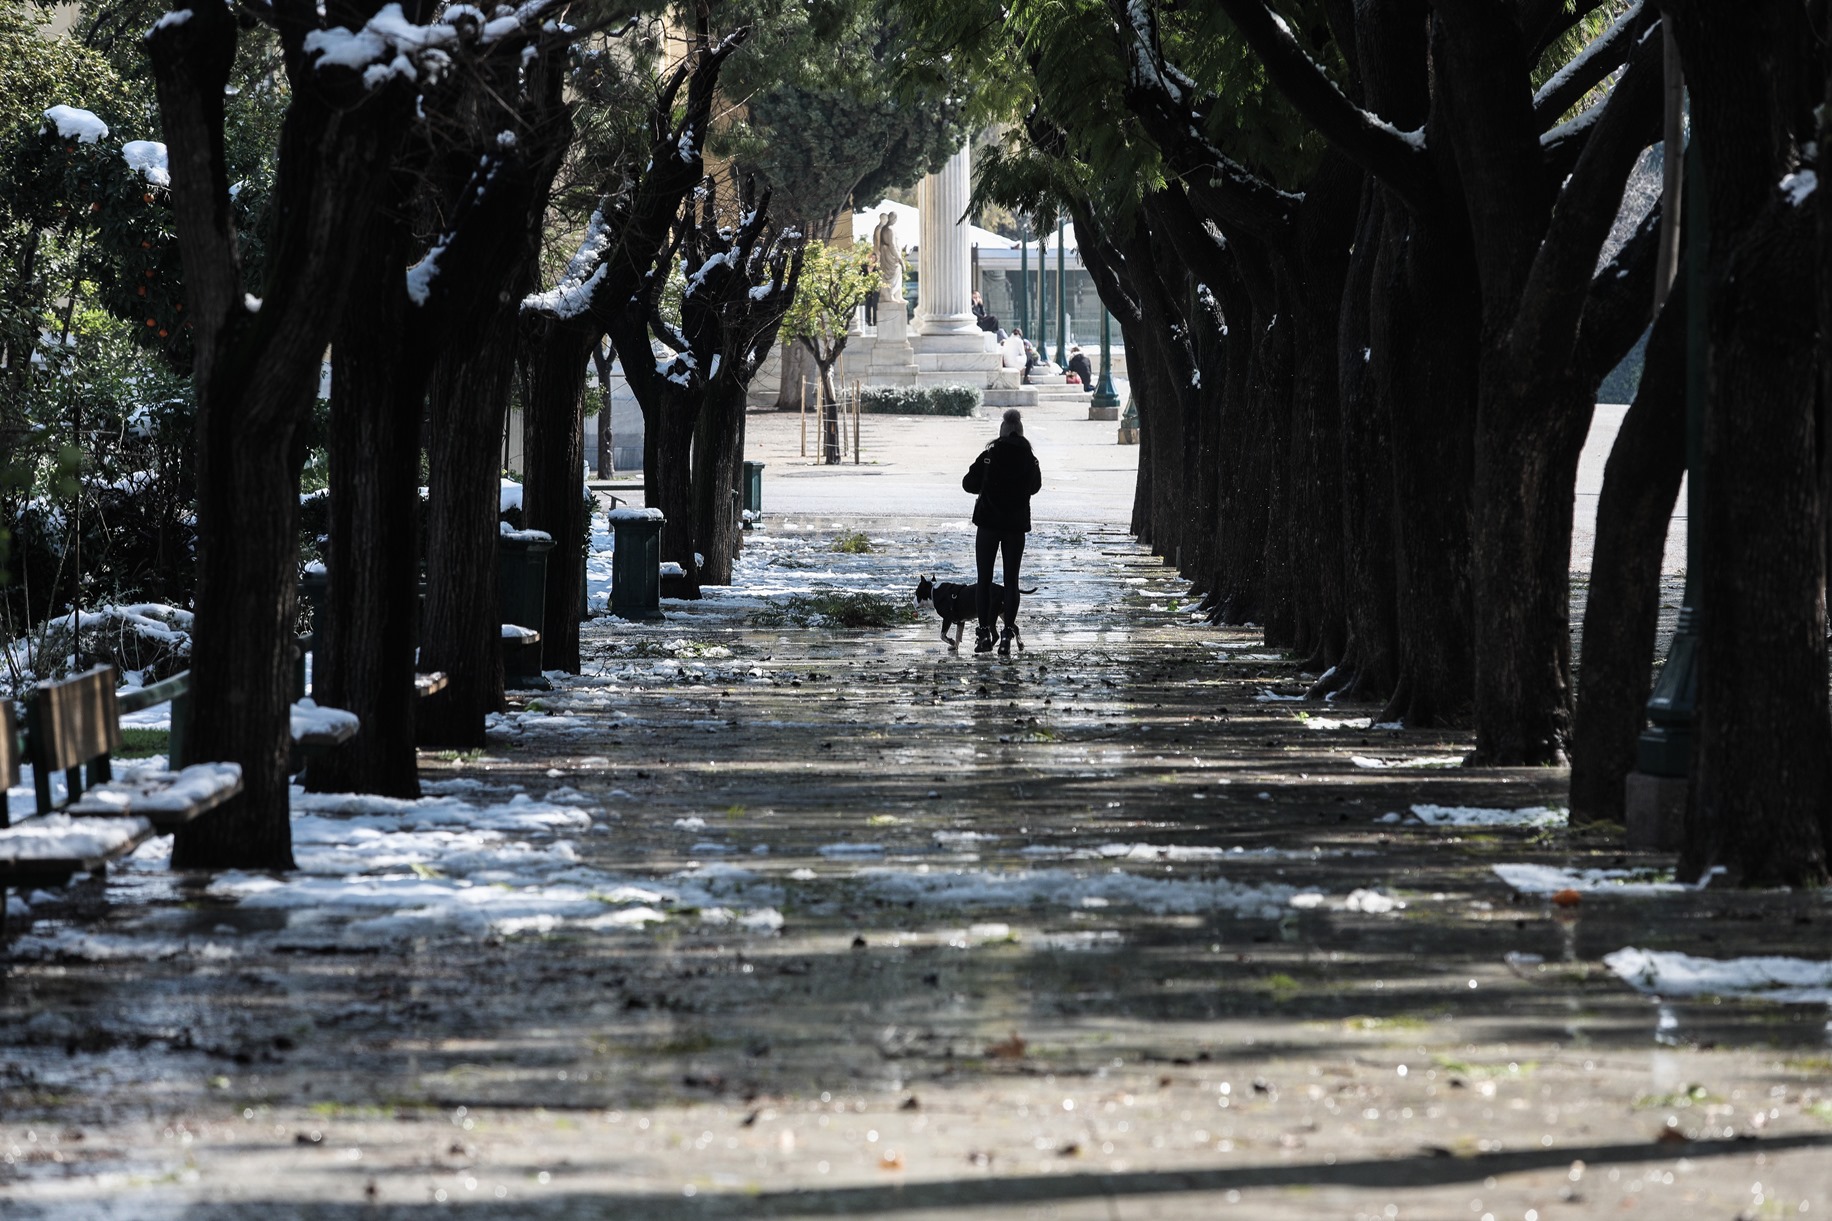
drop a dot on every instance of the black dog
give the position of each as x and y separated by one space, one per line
957 603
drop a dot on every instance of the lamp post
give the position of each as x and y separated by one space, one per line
1062 303
1105 405
1042 340
1021 303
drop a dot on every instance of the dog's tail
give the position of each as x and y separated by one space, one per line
1027 591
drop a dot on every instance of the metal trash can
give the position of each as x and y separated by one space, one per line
522 567
753 493
315 592
636 548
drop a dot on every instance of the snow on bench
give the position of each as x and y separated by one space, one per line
317 728
47 850
165 799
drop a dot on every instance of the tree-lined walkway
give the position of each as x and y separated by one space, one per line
764 915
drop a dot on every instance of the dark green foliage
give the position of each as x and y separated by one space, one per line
129 513
138 743
953 400
94 338
836 106
856 610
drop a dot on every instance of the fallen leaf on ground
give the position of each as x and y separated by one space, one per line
1568 898
1007 1049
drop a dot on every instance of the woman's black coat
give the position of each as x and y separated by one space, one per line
1004 478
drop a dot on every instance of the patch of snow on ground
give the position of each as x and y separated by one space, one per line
1421 761
375 871
1062 888
1323 722
832 851
1550 879
1669 974
1478 816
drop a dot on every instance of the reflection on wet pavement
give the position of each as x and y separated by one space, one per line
767 915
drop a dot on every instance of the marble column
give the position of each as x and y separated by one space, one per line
944 256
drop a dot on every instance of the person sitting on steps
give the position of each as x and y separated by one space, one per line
1004 478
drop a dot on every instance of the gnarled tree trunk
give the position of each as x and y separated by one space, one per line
1622 614
364 650
467 401
555 360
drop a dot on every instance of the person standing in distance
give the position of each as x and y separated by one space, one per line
1004 478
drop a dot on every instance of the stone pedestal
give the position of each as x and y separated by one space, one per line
891 361
1103 413
1655 812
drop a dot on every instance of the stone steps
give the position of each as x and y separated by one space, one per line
999 398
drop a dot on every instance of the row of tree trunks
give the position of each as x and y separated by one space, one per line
607 289
255 374
1419 383
452 198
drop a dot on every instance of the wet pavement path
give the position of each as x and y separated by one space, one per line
765 916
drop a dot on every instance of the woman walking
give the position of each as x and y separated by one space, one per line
1004 478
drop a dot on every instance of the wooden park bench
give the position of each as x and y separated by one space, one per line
74 727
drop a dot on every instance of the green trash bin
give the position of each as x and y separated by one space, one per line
315 592
522 565
636 549
753 493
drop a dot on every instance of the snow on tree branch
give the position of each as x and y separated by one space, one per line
389 45
1588 67
572 296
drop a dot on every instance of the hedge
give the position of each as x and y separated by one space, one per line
921 400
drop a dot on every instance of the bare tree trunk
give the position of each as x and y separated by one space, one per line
1424 342
1326 233
830 410
1367 479
1526 480
554 363
718 455
1622 614
607 457
468 398
1761 775
799 382
365 647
